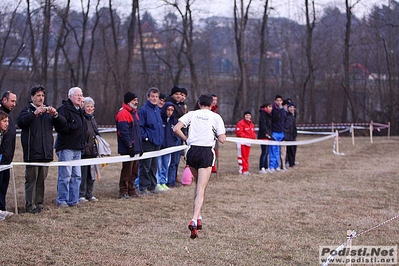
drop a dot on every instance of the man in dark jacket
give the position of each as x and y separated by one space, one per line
152 135
129 143
290 133
69 146
8 102
265 133
36 122
278 119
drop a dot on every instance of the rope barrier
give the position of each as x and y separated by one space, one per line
105 160
280 143
353 235
335 253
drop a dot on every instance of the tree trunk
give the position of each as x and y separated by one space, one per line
264 34
310 80
240 21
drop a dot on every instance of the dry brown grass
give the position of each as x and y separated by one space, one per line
277 219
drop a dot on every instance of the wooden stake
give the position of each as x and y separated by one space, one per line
371 132
348 234
15 190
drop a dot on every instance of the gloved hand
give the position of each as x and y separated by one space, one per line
131 152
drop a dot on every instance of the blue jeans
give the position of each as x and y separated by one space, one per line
69 178
264 160
274 151
174 164
163 166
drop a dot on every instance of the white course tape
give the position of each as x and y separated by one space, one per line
104 160
314 133
280 143
5 167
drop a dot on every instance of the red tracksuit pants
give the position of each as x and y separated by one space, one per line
242 157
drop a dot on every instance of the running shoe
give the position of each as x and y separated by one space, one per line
193 228
199 224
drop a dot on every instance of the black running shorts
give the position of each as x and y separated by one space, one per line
200 157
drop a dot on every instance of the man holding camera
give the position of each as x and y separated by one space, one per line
36 122
129 143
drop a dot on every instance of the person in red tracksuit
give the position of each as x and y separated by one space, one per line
244 129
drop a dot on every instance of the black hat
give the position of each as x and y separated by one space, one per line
285 102
162 96
184 91
128 97
174 90
291 104
247 113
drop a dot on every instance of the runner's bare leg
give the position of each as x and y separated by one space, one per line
201 178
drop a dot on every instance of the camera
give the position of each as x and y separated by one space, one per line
45 108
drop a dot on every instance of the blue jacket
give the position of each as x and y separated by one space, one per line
128 130
151 123
170 137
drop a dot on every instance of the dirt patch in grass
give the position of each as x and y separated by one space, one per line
273 219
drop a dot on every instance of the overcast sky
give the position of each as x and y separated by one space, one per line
293 9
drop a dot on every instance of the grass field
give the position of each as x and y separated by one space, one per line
273 219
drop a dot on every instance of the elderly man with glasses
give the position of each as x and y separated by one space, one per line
69 146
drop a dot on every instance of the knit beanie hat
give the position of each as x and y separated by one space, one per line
247 113
128 97
174 90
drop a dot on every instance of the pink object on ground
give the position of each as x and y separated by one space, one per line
187 176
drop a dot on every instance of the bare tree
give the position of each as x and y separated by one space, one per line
142 49
32 37
60 39
240 22
172 55
346 82
186 16
310 79
11 47
45 40
264 32
130 43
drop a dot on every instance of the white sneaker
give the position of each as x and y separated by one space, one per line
8 213
246 173
278 169
2 215
271 170
263 171
93 199
82 200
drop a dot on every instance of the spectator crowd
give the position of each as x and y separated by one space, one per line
162 121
